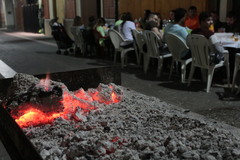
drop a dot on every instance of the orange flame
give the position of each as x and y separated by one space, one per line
33 117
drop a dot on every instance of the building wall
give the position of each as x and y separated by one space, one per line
9 10
45 4
19 14
70 9
108 9
137 7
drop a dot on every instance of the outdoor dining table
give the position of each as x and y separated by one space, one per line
231 42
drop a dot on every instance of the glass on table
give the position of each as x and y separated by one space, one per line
236 36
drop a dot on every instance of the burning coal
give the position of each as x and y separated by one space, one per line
35 102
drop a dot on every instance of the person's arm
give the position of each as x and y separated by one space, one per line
101 31
217 46
156 30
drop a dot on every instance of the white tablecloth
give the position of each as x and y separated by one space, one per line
227 40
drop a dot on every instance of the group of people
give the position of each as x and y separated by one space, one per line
181 22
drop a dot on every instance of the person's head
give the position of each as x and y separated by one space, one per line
91 19
192 11
121 16
231 18
205 20
127 17
77 21
146 13
171 15
215 16
180 15
99 22
153 17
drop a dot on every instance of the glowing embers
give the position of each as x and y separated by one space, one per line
49 100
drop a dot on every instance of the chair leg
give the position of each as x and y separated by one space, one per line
183 72
115 57
160 63
171 69
122 58
146 63
228 74
235 74
137 58
203 73
209 81
191 75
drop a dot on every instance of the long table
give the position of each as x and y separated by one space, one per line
228 40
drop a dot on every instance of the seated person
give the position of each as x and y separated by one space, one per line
143 20
218 25
232 24
153 23
100 27
178 29
126 26
192 19
205 21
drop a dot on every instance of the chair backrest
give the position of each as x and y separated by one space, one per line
200 48
153 43
116 38
138 40
175 45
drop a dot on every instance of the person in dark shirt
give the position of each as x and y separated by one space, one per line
232 24
218 25
153 23
143 20
217 50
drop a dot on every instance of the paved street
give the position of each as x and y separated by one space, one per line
36 54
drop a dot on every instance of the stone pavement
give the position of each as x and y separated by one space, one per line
35 54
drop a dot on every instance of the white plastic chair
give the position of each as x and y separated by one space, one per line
176 46
236 69
155 49
117 41
139 42
200 47
78 39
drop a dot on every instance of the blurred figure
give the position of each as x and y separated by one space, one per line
171 16
91 22
153 23
120 19
126 26
41 19
100 27
192 18
218 25
77 22
232 24
205 21
178 29
143 20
